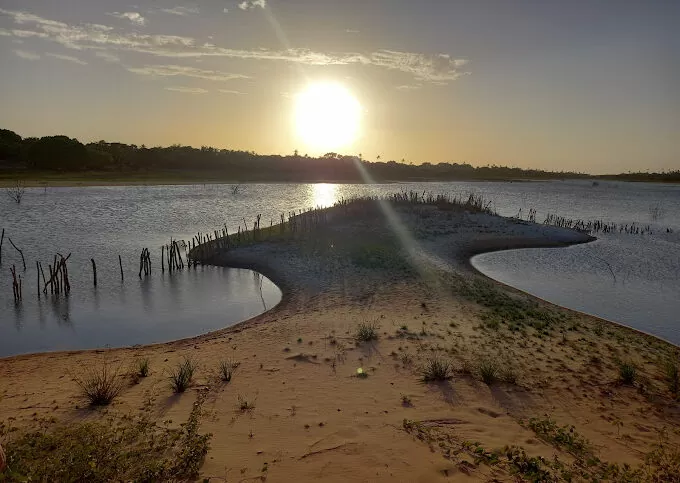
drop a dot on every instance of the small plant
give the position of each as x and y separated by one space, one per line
367 332
488 370
436 369
142 367
226 370
406 401
244 404
100 387
182 375
672 376
627 373
598 329
406 359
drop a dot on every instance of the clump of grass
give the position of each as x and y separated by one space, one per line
436 369
672 376
226 370
406 401
488 371
627 372
182 376
367 332
245 404
142 367
100 386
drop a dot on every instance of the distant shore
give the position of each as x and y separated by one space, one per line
334 375
51 179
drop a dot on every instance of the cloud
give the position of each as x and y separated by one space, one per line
407 87
187 90
225 10
351 31
226 91
27 55
185 71
251 4
67 58
133 17
181 10
107 56
435 69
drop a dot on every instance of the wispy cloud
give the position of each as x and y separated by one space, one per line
250 4
181 10
27 55
186 90
67 58
185 71
133 17
227 91
436 69
409 87
107 56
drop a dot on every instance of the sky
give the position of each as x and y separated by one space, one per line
580 85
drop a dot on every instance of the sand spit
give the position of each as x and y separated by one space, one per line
323 405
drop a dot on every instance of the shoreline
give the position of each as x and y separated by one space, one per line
312 416
87 181
563 307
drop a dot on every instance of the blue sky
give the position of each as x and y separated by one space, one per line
578 85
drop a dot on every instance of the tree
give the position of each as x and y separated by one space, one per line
57 152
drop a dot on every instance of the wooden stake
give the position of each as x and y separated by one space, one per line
20 252
120 264
94 271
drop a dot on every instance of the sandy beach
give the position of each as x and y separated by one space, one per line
309 400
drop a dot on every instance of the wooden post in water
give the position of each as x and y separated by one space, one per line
163 258
37 273
120 264
20 252
2 239
94 271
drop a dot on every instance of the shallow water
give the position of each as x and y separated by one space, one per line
103 222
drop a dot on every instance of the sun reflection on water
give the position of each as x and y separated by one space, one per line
324 194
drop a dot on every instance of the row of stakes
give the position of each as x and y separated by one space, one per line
200 248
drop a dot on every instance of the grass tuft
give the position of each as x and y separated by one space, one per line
436 369
226 369
142 367
488 371
245 404
182 376
100 386
672 376
627 373
367 332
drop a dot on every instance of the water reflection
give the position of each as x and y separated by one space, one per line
324 194
158 308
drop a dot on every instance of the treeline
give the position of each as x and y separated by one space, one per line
64 154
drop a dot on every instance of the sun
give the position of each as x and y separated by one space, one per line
327 117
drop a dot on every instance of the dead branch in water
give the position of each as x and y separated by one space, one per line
16 192
23 260
2 239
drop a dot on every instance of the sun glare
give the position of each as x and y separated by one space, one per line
327 117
